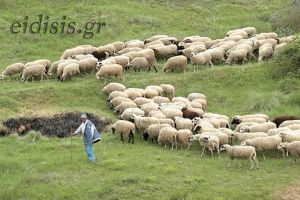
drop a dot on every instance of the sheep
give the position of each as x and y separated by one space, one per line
33 70
3 131
241 152
197 38
111 87
182 123
237 55
127 50
148 107
117 94
100 55
252 116
159 99
45 62
87 65
203 103
293 126
88 49
142 123
243 136
142 100
263 143
223 137
12 69
119 46
70 70
210 142
134 93
154 38
153 113
152 131
125 128
189 114
62 65
176 62
167 121
151 93
193 96
54 66
107 48
168 135
279 49
108 61
71 52
134 43
293 148
183 136
168 90
265 52
285 40
202 58
276 131
262 127
239 126
165 51
82 56
171 113
289 136
201 122
157 88
218 123
289 122
184 100
121 60
124 105
126 115
217 54
110 70
139 63
187 52
118 100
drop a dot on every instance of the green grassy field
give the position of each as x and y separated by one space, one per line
43 169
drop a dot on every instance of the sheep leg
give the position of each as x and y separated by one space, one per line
212 153
264 155
155 69
165 145
211 64
251 164
173 146
32 79
229 164
122 139
218 150
202 151
152 140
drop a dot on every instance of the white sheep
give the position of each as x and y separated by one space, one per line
289 122
151 93
279 48
203 58
118 100
125 128
183 136
12 69
142 123
115 94
72 52
159 99
110 70
237 55
148 107
293 126
134 93
32 71
241 152
171 113
108 48
168 135
111 87
179 62
70 70
217 54
276 131
243 136
157 88
124 105
54 66
118 45
183 123
142 100
262 127
126 115
165 51
293 148
290 136
152 131
87 65
168 90
62 65
265 52
263 143
210 142
134 43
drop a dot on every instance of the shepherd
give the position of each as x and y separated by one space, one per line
90 136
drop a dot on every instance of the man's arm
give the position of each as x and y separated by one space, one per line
79 130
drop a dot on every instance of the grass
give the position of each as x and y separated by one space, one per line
43 168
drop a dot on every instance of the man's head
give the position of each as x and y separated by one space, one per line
83 118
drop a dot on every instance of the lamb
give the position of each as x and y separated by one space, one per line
87 65
115 94
110 70
168 135
168 90
118 100
72 52
241 152
189 114
33 70
125 128
182 123
263 143
243 136
69 71
142 123
262 127
265 52
107 48
237 55
183 136
293 148
152 131
159 99
142 100
124 105
111 87
176 62
151 93
290 136
126 115
12 69
289 122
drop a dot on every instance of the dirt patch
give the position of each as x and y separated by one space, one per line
60 125
290 193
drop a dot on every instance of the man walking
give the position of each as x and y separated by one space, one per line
90 136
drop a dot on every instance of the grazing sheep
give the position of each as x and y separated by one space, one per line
188 51
203 58
151 93
134 43
124 105
152 131
111 87
12 69
115 94
279 48
62 65
280 119
217 54
262 127
241 152
263 143
167 121
87 65
54 66
126 115
148 107
82 56
142 100
184 100
100 55
239 126
125 128
70 70
265 52
168 135
203 103
72 52
142 123
88 49
119 45
193 96
118 100
237 55
293 148
244 136
107 48
134 93
179 62
32 71
168 90
183 136
289 122
156 114
293 127
189 114
182 123
276 131
139 63
171 113
159 99
165 51
127 50
285 40
157 88
290 136
110 70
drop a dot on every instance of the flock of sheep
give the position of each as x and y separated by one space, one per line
160 116
114 59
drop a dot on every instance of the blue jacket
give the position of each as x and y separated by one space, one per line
90 133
